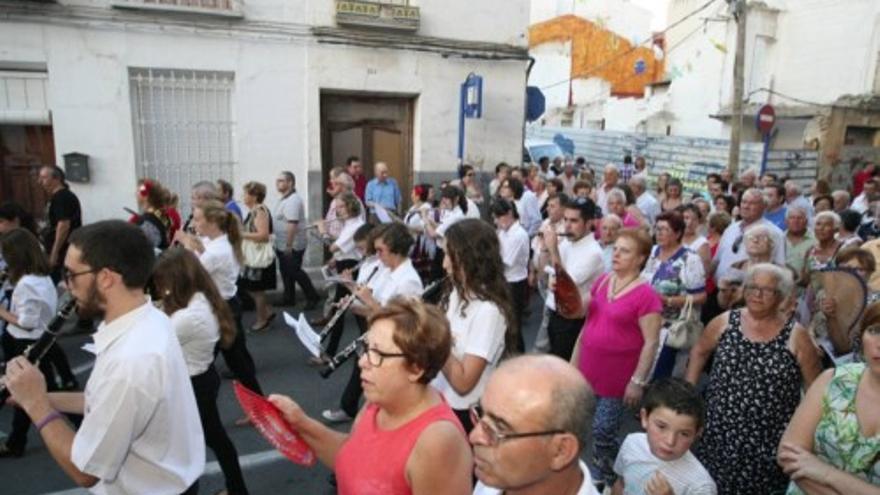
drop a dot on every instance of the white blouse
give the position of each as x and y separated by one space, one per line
34 300
480 333
198 331
220 262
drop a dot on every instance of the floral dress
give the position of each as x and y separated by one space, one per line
754 389
839 440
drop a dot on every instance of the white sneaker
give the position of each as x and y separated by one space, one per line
335 416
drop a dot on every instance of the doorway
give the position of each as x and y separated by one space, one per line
376 128
24 149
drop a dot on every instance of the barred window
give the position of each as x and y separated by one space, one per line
183 127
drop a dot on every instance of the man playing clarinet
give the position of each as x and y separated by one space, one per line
141 430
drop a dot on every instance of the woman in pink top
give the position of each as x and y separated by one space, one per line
618 344
406 439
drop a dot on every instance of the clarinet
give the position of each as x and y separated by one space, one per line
345 354
345 303
35 352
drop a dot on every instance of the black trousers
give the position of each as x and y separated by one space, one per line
292 273
341 291
237 357
21 422
563 334
205 387
519 293
351 396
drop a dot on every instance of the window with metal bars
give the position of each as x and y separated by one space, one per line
183 127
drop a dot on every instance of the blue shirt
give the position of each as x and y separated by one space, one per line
385 193
777 218
233 207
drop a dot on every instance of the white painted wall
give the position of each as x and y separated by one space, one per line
277 89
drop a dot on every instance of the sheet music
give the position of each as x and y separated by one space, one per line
304 332
382 214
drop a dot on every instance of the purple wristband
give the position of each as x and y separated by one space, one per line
52 416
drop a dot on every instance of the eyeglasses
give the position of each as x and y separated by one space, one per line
67 275
374 356
760 291
494 437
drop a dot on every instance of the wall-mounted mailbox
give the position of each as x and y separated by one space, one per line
76 167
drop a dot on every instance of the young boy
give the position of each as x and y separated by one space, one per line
659 461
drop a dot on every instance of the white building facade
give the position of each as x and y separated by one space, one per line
189 90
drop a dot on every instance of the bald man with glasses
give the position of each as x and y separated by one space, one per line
530 428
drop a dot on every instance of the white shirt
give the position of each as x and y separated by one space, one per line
602 197
289 209
402 281
649 206
473 209
448 218
636 465
860 204
34 300
586 488
568 183
725 257
345 241
197 331
141 431
480 333
529 212
219 260
583 262
514 252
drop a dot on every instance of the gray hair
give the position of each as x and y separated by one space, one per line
344 180
754 191
639 181
616 193
756 230
840 193
613 218
828 214
784 280
790 209
205 189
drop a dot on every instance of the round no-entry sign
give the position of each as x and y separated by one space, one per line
766 119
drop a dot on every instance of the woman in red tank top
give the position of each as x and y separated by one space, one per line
406 439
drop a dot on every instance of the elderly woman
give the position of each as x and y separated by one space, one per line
617 205
759 245
831 444
761 363
823 203
676 274
405 426
821 255
617 344
798 238
258 229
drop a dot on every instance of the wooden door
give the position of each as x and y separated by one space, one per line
23 151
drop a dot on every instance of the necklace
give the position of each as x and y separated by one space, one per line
615 291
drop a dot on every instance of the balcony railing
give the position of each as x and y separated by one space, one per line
222 8
387 14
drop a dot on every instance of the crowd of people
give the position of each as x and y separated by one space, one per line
739 323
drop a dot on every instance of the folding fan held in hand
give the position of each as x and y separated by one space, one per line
848 289
568 298
269 422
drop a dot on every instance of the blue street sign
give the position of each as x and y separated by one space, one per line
536 104
473 96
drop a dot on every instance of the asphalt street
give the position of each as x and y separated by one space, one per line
281 367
